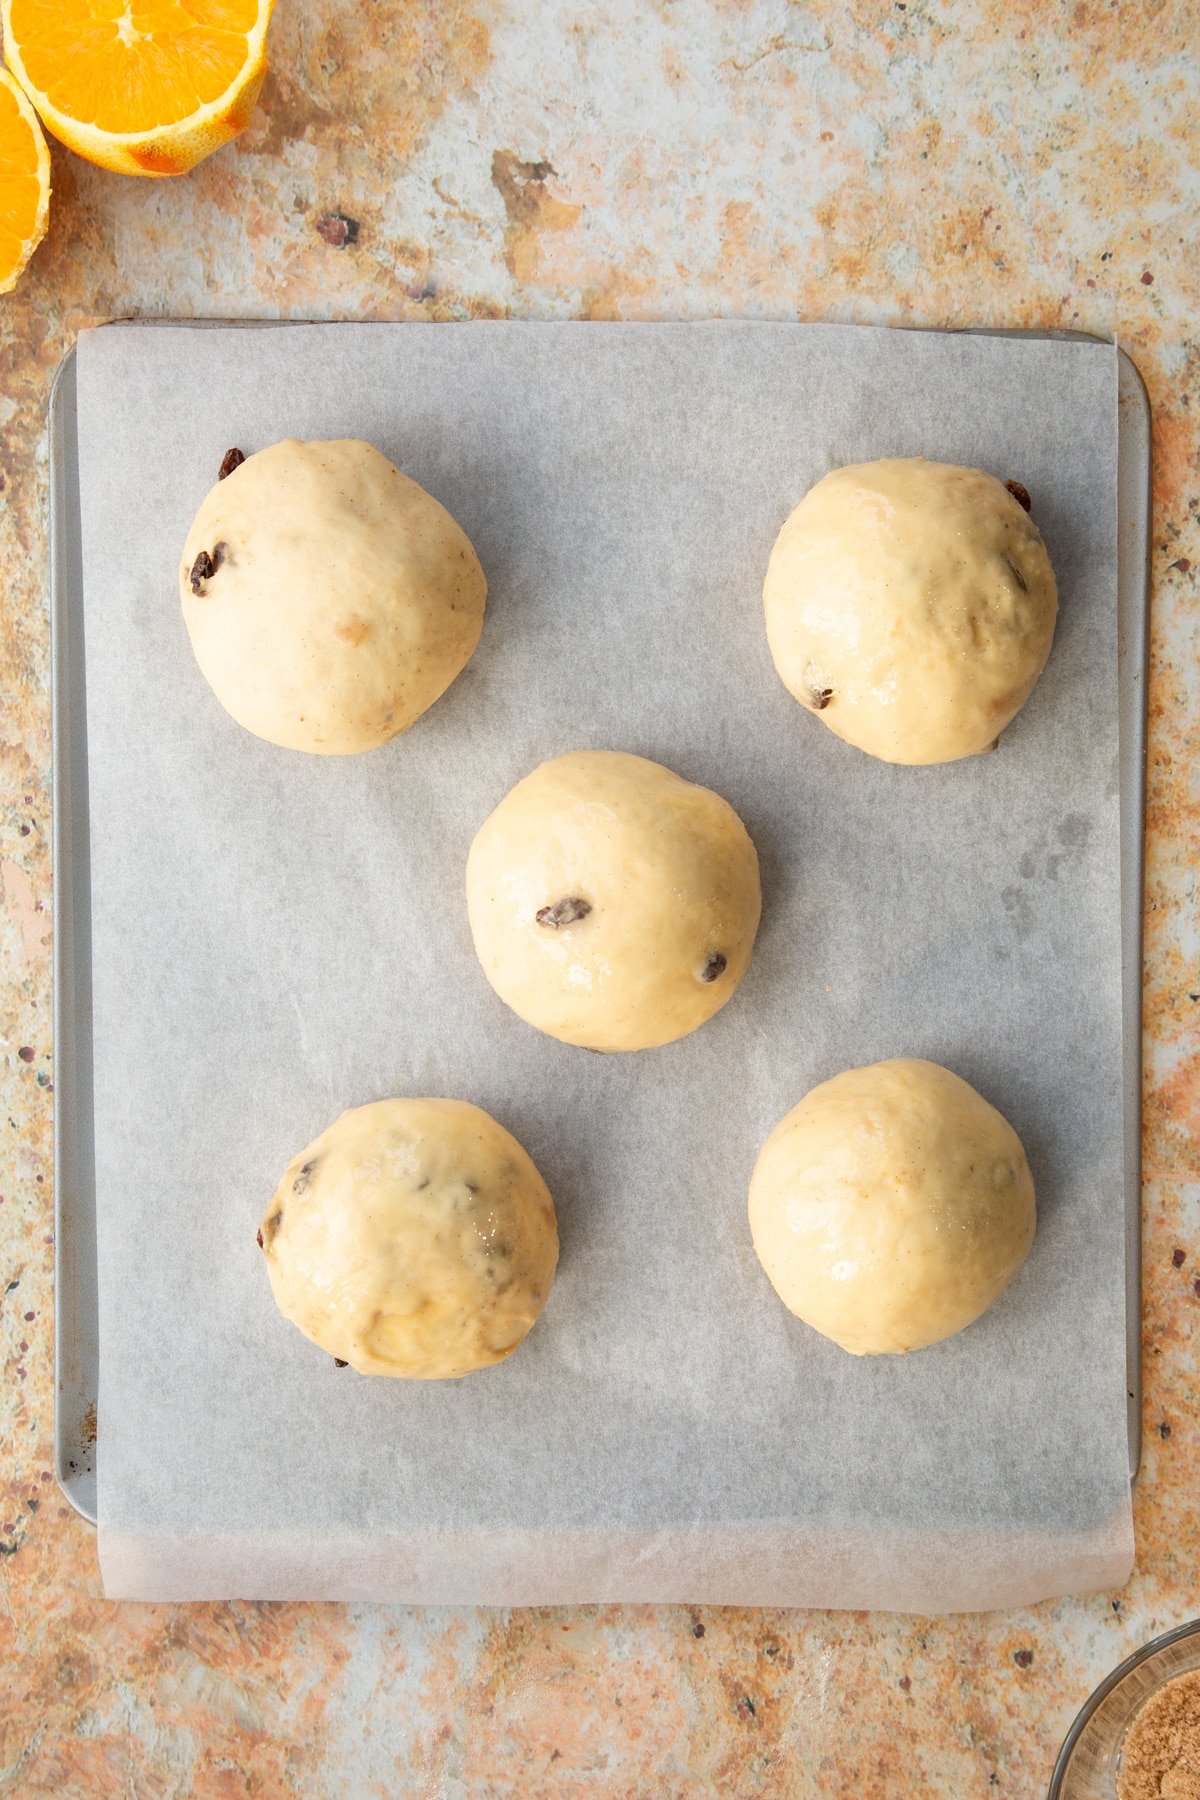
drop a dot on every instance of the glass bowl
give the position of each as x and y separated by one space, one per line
1087 1763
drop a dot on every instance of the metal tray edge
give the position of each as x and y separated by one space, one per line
1133 657
76 1337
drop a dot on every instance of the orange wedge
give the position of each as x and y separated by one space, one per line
145 87
24 182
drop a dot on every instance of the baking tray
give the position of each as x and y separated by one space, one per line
76 1312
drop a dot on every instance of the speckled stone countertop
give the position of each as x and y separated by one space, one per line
936 164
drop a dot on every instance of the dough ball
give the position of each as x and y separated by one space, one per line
414 1237
891 1207
329 599
612 903
912 605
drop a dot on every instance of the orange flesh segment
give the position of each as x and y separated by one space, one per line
128 66
20 189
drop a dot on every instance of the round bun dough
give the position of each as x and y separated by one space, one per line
891 1207
413 1237
329 599
613 904
912 605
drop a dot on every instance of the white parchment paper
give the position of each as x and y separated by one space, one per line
276 937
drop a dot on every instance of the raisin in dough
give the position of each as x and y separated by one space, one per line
891 1207
329 599
413 1237
912 605
613 904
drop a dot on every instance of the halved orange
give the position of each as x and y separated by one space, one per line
145 87
24 182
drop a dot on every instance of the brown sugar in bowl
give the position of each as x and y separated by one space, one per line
1125 1743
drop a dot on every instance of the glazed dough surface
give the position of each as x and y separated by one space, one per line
343 602
911 605
891 1206
613 904
413 1237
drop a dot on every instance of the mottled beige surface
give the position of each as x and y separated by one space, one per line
932 164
